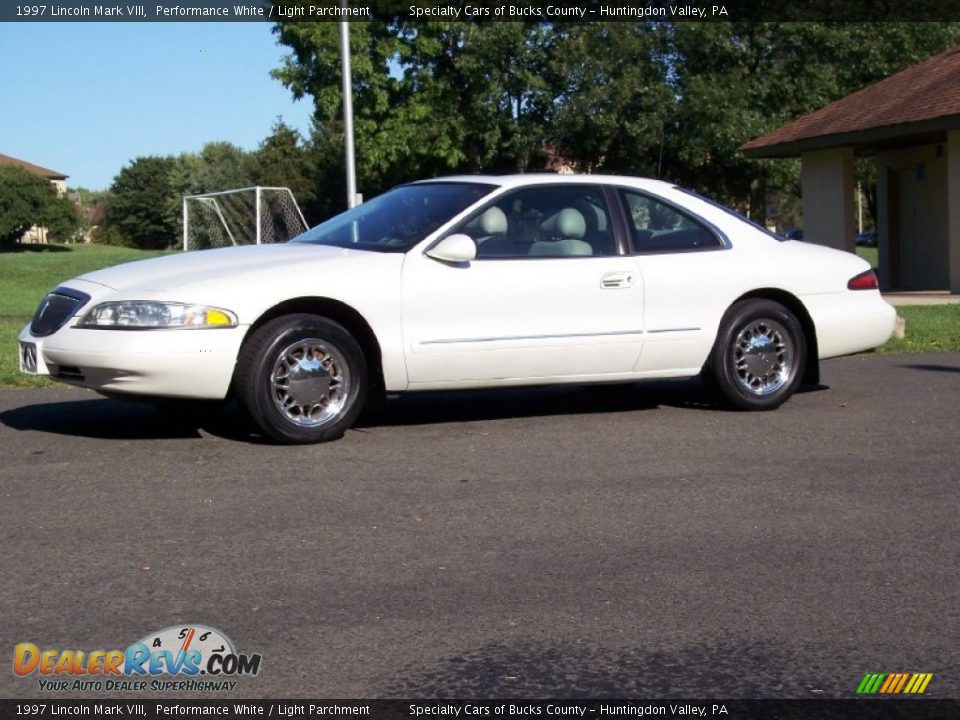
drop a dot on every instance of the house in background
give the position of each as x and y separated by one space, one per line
38 234
910 124
57 179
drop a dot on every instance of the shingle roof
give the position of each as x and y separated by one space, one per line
30 167
922 99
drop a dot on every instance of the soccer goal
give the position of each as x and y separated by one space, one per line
246 216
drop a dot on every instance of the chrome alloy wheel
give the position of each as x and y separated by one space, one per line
310 382
763 357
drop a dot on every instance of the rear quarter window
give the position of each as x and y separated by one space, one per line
658 227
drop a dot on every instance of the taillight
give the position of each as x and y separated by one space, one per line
866 280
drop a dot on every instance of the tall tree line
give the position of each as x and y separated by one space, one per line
668 100
143 204
660 99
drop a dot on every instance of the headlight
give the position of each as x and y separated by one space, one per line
146 314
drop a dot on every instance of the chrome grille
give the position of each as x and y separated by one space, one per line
55 309
28 357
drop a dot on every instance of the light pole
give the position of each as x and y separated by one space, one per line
348 112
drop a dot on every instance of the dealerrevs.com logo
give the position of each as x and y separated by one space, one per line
183 657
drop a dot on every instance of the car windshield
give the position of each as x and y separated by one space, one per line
398 219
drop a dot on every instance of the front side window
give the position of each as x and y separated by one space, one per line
398 219
656 227
543 222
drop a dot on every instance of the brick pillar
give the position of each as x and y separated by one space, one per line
826 180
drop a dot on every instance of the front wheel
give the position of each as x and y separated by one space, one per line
758 360
302 379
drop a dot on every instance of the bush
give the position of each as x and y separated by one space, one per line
24 201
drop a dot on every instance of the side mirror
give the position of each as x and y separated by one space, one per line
456 248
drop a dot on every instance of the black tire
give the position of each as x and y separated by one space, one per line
302 379
759 357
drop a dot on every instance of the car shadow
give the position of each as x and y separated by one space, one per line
427 408
934 368
114 419
109 419
806 389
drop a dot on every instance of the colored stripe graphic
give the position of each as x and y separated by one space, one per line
870 683
894 683
919 681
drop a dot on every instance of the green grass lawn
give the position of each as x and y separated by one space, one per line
930 329
27 273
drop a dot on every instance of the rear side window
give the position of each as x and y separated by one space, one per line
656 227
738 216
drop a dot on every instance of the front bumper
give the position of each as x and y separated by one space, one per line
185 363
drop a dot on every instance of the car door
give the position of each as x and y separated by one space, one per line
688 282
549 297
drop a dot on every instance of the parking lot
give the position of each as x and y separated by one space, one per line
572 542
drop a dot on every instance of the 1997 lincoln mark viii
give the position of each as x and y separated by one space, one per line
467 282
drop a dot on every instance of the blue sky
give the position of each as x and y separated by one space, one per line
86 98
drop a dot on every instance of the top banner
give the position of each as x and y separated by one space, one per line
553 11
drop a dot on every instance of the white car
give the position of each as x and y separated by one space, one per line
467 282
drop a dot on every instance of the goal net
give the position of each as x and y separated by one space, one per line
246 216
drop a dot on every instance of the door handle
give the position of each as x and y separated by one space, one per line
612 280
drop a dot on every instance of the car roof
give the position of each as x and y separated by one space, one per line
530 179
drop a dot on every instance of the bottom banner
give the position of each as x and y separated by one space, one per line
865 709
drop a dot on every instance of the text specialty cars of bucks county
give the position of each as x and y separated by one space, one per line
466 282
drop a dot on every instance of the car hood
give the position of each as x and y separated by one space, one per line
201 266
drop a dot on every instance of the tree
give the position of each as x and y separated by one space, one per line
429 98
138 210
614 104
314 69
282 160
220 166
672 100
90 206
736 81
486 89
27 200
61 218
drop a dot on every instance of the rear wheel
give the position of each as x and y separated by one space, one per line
302 379
758 360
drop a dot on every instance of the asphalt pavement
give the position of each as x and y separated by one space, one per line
546 543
